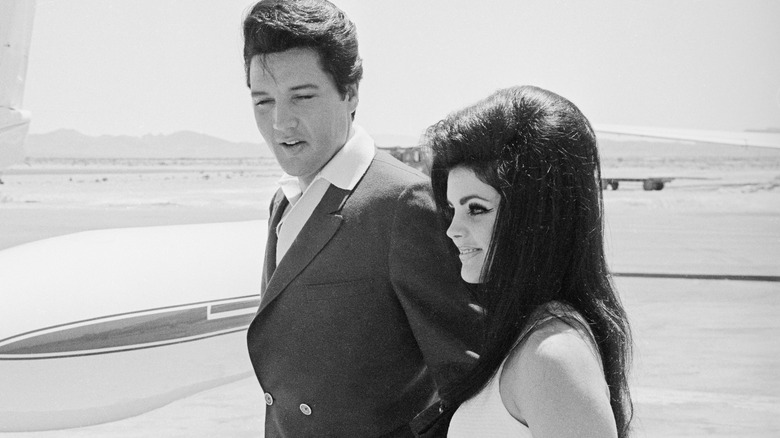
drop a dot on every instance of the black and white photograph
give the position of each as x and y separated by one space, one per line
417 218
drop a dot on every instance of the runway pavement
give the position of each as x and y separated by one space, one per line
706 350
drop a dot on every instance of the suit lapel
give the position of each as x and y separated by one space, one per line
319 229
280 204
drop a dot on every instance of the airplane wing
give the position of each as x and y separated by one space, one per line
734 138
16 19
103 325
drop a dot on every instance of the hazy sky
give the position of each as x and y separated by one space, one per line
158 66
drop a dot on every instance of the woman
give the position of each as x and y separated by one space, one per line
517 174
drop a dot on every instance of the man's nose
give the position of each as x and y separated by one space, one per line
284 118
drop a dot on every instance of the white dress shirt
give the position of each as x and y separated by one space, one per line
344 171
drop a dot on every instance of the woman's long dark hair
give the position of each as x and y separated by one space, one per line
539 152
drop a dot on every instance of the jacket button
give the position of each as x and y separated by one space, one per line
269 400
305 409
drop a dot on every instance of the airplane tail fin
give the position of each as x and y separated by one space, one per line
16 19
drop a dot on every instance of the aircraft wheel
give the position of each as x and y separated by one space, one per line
648 184
658 186
609 184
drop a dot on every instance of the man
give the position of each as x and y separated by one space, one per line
362 309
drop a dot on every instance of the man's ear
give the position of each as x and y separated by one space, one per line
352 95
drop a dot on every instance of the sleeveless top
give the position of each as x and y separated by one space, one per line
485 415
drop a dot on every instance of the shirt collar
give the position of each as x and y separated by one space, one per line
344 170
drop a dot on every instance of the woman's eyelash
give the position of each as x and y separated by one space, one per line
478 209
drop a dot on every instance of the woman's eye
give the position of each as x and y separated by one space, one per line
263 102
304 97
477 209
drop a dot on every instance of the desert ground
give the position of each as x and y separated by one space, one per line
706 355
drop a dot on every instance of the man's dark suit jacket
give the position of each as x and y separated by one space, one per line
365 310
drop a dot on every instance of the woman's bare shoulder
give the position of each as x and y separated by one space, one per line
553 382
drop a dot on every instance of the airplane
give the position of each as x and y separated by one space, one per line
760 139
123 321
120 322
16 29
414 156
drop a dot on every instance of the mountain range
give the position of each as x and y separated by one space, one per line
68 143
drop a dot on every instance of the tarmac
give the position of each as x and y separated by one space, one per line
706 353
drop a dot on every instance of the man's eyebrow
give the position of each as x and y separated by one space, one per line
304 87
312 87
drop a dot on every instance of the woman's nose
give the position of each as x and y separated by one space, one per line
455 229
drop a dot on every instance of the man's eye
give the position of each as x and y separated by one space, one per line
304 97
263 102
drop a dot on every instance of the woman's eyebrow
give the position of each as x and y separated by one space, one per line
468 198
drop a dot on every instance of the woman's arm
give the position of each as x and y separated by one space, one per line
553 382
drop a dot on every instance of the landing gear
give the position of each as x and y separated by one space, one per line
651 184
609 183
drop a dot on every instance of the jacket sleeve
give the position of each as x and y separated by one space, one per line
425 274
